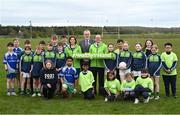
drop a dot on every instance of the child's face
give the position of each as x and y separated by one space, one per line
120 45
129 78
69 62
110 48
60 48
27 45
48 65
125 46
10 48
138 47
42 46
38 51
144 74
63 40
85 67
168 48
153 50
111 76
16 43
28 51
49 47
148 43
54 41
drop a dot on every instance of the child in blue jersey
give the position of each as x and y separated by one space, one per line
60 63
18 50
125 56
111 64
127 86
138 61
154 66
36 68
50 54
147 47
11 65
26 68
68 78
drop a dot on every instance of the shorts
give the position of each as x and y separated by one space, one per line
25 75
11 75
122 73
70 89
136 73
35 77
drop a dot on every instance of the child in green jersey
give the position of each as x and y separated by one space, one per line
86 80
112 87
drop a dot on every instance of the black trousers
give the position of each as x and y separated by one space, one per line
111 97
89 94
170 80
100 72
48 92
141 91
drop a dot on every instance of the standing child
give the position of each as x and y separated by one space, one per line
60 63
154 66
50 54
11 65
111 64
138 61
147 47
112 87
125 56
169 62
68 78
18 50
144 87
35 74
42 45
86 80
25 68
49 78
128 86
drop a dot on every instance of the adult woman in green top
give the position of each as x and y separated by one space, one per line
74 48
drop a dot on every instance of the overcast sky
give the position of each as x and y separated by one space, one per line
159 13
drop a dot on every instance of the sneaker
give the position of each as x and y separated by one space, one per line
136 101
13 93
28 92
146 100
106 100
39 94
156 98
175 96
8 93
34 95
22 93
151 97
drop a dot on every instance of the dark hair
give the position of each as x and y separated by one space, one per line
146 42
71 38
85 63
16 39
63 36
10 44
69 57
144 70
138 43
129 74
42 42
168 44
50 44
110 72
120 40
60 44
27 48
110 44
27 42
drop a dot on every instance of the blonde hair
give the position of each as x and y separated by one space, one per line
156 47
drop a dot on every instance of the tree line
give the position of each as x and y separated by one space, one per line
44 32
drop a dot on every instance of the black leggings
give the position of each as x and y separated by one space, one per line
89 94
48 92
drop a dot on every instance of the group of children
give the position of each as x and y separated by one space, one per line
130 75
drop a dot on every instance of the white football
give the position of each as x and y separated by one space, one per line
122 65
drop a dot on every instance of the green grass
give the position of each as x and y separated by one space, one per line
76 105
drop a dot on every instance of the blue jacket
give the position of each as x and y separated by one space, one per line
125 56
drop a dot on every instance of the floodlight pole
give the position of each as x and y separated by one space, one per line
119 33
30 28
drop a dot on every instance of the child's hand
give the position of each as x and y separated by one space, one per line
168 71
49 85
